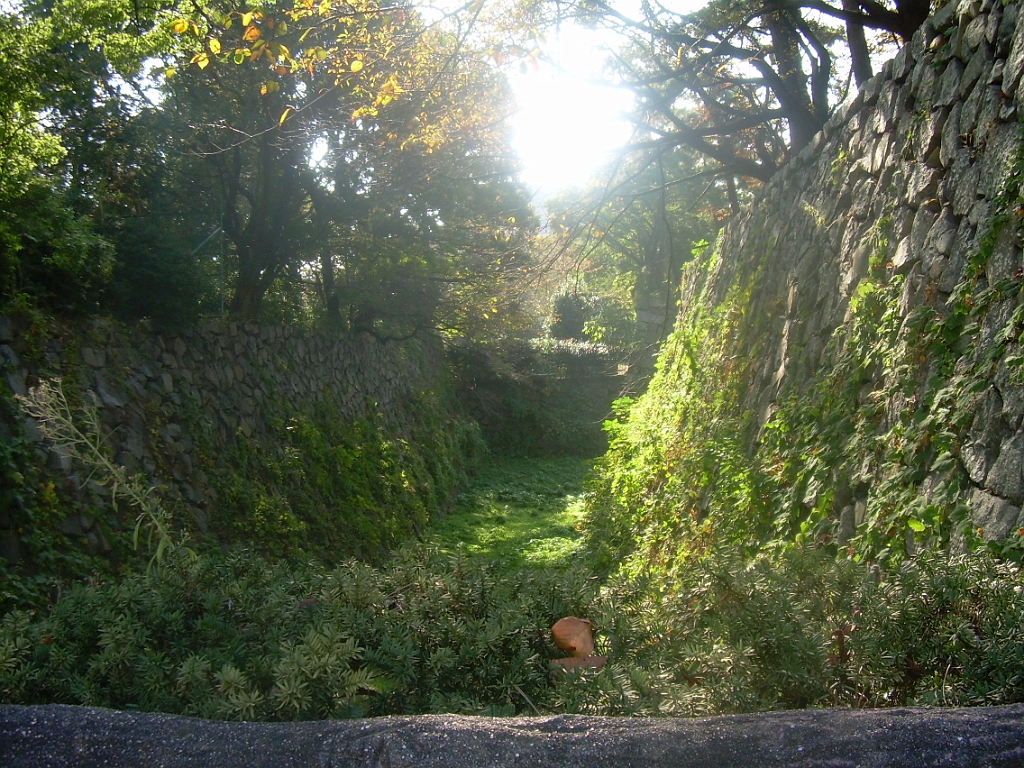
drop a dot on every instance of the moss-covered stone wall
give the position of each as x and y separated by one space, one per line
846 367
296 442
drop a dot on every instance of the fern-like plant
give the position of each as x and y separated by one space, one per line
80 438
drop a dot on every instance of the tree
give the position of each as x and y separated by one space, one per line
625 242
746 84
352 145
46 248
80 156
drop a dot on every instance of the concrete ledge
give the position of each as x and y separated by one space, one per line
63 736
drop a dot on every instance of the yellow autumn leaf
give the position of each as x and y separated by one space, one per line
356 65
252 34
214 45
169 72
246 19
284 115
202 60
180 27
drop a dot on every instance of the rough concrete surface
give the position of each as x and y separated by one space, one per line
56 736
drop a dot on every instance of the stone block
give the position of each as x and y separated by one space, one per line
902 65
905 257
967 10
109 395
913 293
94 358
1005 259
948 88
968 116
922 185
1000 151
881 155
993 516
1007 29
1005 478
974 34
923 83
1014 67
8 357
964 178
992 21
1011 391
59 461
992 105
951 143
978 69
71 526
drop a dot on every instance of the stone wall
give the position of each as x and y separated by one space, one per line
911 180
173 405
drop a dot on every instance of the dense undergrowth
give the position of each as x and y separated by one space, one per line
517 513
239 637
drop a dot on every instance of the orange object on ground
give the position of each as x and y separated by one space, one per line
574 635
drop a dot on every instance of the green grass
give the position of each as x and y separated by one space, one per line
519 512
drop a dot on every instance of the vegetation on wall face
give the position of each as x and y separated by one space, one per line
879 427
321 486
677 476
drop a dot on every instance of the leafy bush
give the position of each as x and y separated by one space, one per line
734 635
239 637
543 399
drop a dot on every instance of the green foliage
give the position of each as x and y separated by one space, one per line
879 426
33 507
569 316
732 634
546 398
50 253
79 436
517 512
323 486
624 242
237 637
676 479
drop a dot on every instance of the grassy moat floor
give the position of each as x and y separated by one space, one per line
521 512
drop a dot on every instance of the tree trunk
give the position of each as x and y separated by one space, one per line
794 97
332 307
246 300
860 59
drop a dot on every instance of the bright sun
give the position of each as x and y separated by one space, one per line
567 125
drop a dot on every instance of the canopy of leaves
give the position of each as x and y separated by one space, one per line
745 84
